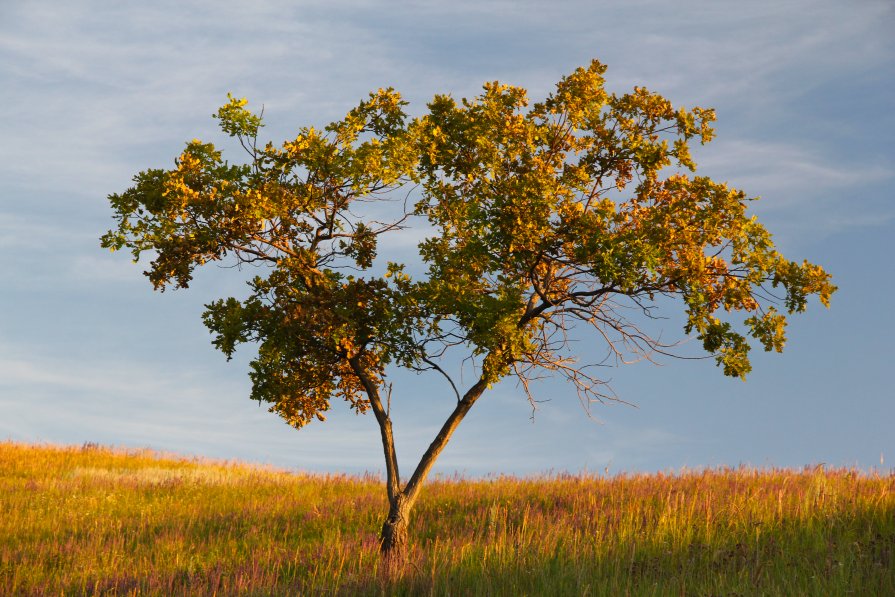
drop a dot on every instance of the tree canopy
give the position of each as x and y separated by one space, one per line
539 218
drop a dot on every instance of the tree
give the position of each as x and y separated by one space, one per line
564 213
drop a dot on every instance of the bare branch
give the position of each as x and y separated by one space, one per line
435 366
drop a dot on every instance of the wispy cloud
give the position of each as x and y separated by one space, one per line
804 193
29 233
117 81
781 168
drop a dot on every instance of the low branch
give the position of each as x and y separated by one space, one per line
412 489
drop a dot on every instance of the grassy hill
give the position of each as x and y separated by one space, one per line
99 521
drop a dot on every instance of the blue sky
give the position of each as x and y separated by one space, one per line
93 92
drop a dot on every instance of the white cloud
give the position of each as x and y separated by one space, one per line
804 194
29 233
791 173
105 268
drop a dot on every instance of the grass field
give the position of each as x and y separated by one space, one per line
91 520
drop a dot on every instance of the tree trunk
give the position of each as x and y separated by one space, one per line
393 540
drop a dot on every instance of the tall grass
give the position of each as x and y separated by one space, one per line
98 521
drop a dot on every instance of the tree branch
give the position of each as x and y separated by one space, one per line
385 428
412 489
435 366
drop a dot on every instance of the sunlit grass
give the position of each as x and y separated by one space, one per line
89 521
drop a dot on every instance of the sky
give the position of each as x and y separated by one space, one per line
94 92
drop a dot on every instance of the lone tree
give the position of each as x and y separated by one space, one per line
568 212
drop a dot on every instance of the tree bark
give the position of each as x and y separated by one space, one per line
393 539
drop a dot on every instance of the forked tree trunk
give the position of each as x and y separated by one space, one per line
393 540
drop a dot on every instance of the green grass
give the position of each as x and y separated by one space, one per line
79 521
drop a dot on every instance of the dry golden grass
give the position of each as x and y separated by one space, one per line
100 521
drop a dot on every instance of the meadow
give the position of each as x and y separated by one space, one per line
96 521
